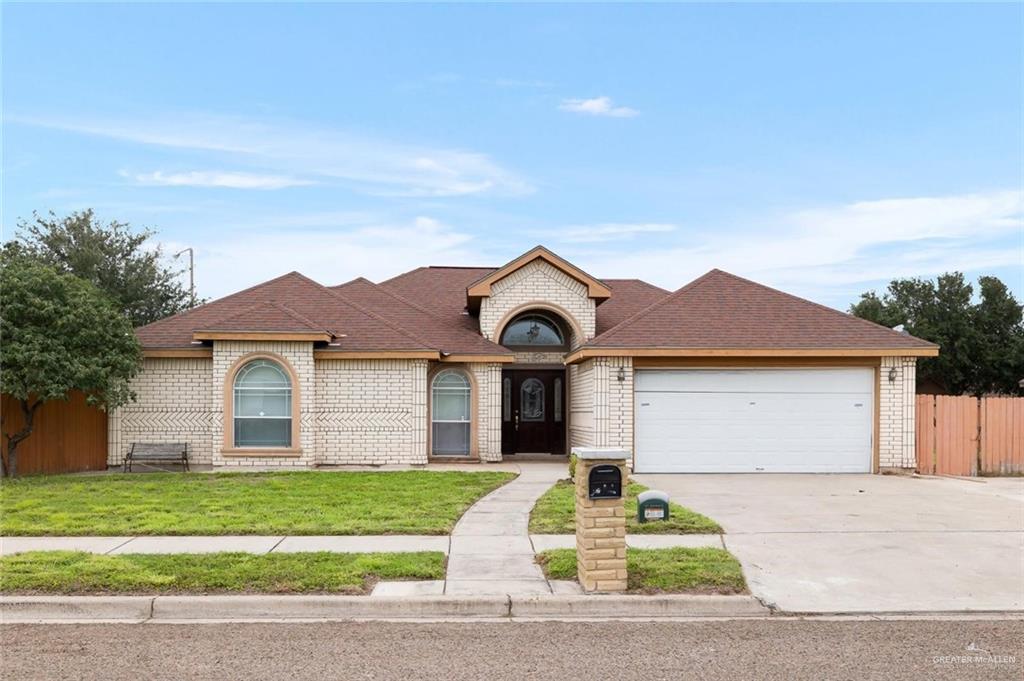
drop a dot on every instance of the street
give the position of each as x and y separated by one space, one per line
733 649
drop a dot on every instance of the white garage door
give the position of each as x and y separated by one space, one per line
751 420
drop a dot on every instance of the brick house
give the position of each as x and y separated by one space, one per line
536 356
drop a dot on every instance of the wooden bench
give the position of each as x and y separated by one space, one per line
176 452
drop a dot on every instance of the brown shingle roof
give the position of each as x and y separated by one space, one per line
435 330
442 290
721 310
265 316
356 327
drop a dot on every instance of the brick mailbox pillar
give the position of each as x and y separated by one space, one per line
600 518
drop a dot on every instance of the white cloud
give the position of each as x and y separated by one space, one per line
234 259
610 231
832 254
597 106
326 155
205 178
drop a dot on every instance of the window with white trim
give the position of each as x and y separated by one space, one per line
450 413
262 407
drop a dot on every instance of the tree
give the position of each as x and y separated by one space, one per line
981 343
58 333
114 257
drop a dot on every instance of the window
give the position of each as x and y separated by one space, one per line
262 405
533 330
531 400
450 413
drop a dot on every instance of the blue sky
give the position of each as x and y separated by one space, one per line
823 149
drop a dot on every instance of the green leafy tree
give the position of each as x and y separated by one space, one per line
58 333
114 257
981 341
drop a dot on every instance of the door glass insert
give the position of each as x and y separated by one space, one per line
531 398
506 399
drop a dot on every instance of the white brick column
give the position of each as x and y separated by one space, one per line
896 412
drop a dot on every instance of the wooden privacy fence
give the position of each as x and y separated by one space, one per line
67 436
963 435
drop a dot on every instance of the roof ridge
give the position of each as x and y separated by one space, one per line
369 313
641 281
420 308
671 295
832 310
302 318
185 313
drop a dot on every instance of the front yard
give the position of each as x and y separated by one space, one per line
676 570
554 513
292 503
72 572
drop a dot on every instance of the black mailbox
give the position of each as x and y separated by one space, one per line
605 482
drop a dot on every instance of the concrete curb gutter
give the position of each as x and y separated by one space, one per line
325 607
250 608
616 606
55 608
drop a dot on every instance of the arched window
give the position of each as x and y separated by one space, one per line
450 413
531 330
262 405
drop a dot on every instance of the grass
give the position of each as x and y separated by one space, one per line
678 570
554 513
294 503
74 572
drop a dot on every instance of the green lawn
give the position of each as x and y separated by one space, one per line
678 570
295 503
555 512
73 572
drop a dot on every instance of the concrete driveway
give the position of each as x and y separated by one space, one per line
856 543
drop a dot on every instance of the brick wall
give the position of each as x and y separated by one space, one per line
896 413
581 404
174 403
538 282
488 405
613 402
371 411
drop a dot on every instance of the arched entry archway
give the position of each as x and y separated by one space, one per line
534 389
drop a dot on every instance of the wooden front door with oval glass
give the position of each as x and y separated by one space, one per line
533 413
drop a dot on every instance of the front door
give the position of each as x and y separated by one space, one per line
533 411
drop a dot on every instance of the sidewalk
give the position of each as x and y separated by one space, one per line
388 543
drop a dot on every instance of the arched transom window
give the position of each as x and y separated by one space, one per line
533 330
262 405
450 413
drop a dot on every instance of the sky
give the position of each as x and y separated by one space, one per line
823 149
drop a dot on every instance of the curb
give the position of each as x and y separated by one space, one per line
324 607
55 608
178 608
617 606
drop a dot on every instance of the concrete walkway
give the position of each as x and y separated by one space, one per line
389 543
491 552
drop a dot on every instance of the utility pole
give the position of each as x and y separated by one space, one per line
191 275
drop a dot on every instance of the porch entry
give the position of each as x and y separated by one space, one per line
533 411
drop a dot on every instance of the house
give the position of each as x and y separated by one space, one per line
721 375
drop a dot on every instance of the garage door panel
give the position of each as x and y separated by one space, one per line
722 428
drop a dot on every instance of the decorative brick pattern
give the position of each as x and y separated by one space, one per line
488 405
896 413
300 356
371 411
600 533
538 282
174 403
